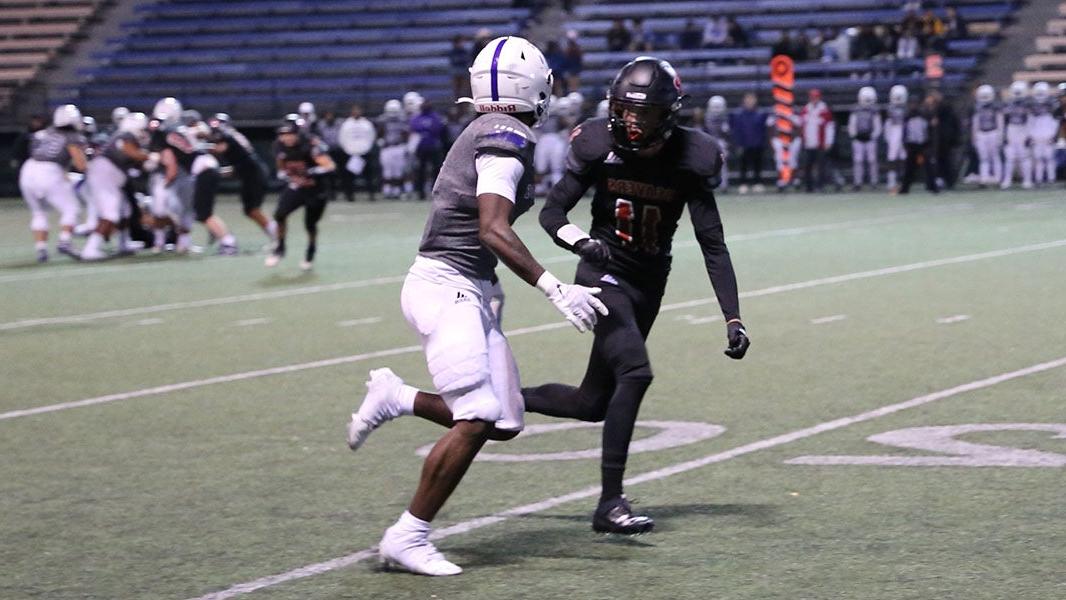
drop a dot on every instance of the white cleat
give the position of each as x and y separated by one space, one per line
93 256
416 554
272 260
306 265
379 405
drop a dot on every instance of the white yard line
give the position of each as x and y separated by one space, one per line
142 310
521 331
657 474
357 322
831 319
953 319
251 322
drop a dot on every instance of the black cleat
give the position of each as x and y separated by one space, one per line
615 516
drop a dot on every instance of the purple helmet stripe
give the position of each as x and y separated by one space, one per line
495 77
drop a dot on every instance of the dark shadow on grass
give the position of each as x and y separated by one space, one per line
284 278
761 514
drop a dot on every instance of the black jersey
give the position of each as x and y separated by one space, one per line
164 137
296 160
638 203
239 152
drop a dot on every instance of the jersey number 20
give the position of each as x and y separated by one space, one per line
624 216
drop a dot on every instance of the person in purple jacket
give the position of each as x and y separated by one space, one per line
748 125
429 153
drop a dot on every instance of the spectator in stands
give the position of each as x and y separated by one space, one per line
429 154
932 32
748 126
20 150
954 25
948 135
867 45
783 46
716 33
459 59
619 38
837 47
886 41
556 59
737 36
690 37
643 36
356 138
908 46
574 60
482 39
801 46
819 133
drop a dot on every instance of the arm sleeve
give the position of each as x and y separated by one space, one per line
498 175
709 234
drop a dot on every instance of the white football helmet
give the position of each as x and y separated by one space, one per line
168 110
577 101
510 75
67 115
119 113
985 94
393 108
88 124
898 95
412 102
602 108
563 107
1041 91
135 123
867 96
1019 90
716 106
306 110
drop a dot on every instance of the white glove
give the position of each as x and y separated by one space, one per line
578 303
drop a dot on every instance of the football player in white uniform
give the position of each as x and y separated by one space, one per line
106 179
1016 151
393 133
986 131
716 123
896 117
43 178
452 298
1043 128
864 127
549 158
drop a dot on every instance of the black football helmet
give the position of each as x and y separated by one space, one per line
642 104
292 123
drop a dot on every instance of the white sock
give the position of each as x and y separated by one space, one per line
228 240
405 400
123 239
184 240
408 523
272 228
40 245
64 236
160 236
92 245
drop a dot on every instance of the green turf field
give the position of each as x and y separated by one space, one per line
189 438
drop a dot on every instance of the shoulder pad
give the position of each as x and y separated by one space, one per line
590 141
701 154
504 135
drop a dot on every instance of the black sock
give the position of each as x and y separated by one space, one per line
310 254
617 433
280 248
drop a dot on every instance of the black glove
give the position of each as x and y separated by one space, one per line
594 251
738 340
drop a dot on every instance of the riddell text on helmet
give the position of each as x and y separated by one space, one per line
504 108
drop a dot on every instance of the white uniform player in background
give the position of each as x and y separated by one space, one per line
452 298
602 109
412 106
986 131
106 179
865 127
1043 128
306 110
393 132
549 158
43 178
716 123
896 116
1016 150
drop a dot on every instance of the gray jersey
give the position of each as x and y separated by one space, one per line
1017 112
986 117
451 234
50 145
394 130
1041 108
864 119
115 152
897 114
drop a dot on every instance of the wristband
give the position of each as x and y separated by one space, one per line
571 234
548 283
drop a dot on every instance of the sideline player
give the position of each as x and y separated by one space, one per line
986 130
716 123
1016 150
106 180
43 178
1043 127
393 132
451 294
864 127
302 162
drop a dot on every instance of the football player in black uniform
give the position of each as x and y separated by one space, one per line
302 161
645 170
236 152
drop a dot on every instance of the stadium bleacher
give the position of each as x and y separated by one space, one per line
255 58
1049 63
32 32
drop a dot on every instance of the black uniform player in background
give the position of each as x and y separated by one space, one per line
645 169
235 151
302 162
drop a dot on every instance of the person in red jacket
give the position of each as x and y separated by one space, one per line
818 132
